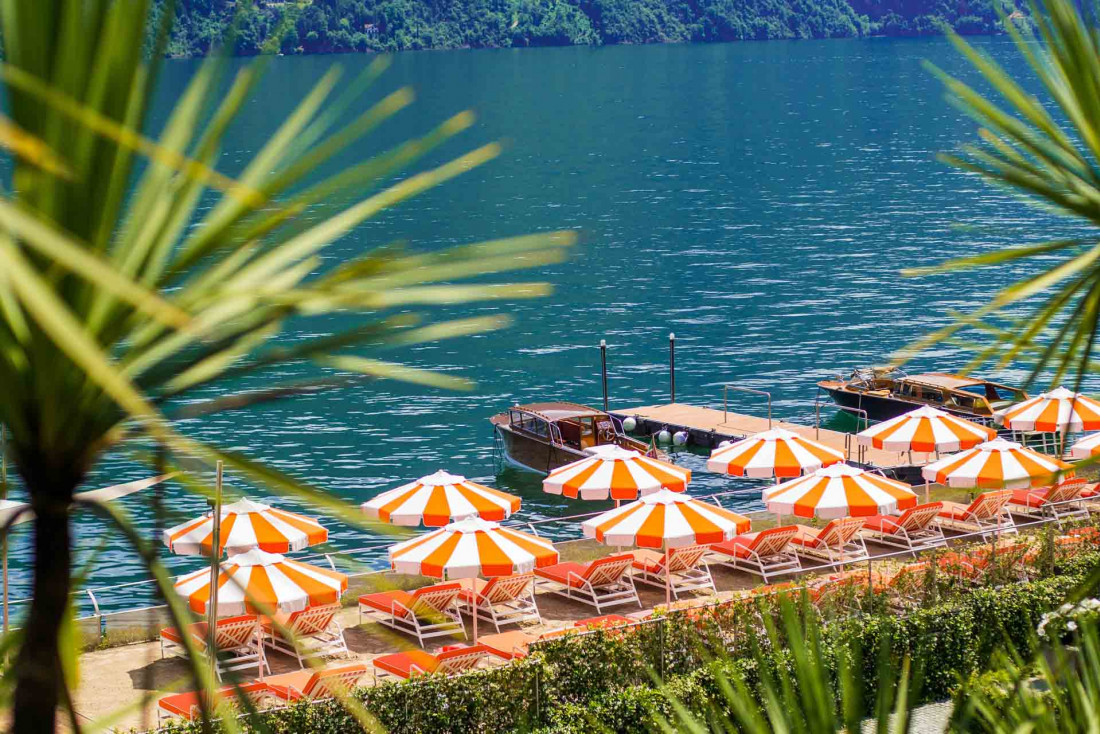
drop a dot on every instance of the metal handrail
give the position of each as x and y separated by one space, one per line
725 400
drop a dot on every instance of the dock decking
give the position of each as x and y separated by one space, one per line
709 427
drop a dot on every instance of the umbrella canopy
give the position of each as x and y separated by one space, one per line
438 499
1086 447
665 519
840 490
470 548
995 464
926 429
1058 410
246 525
256 582
618 473
774 453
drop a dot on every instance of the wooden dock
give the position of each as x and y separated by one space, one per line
709 427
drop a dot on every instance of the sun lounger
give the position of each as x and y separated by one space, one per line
430 611
602 583
686 569
766 553
837 542
914 530
513 645
186 706
986 514
314 632
237 643
315 684
907 586
843 589
1059 501
501 600
451 661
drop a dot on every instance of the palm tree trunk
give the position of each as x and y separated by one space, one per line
38 667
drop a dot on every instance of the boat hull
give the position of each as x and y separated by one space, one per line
881 408
529 453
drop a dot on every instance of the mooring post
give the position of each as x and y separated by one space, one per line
603 370
672 365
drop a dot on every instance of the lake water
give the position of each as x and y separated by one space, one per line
757 199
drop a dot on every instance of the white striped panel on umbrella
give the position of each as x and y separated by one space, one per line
995 464
257 582
774 453
665 519
840 490
246 525
1086 447
926 429
438 499
472 547
1058 410
618 473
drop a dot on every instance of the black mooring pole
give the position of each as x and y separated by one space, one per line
672 365
603 369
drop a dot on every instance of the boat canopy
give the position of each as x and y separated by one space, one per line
944 380
560 410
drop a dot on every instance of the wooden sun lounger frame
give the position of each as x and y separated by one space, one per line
926 538
424 619
853 550
240 638
505 600
687 571
1059 503
1001 524
605 584
779 562
317 624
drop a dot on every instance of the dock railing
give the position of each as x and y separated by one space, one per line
725 400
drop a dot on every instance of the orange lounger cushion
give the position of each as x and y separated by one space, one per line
882 523
955 511
738 546
185 705
1030 497
383 601
648 560
807 537
405 664
560 572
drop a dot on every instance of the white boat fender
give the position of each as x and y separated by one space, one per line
629 424
724 444
664 436
680 438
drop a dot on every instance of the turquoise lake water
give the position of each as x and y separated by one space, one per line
757 199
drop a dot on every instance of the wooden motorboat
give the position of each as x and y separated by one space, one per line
886 392
544 436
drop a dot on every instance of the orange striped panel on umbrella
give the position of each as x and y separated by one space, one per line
1086 447
438 499
1058 410
665 519
926 429
246 525
773 453
615 472
258 582
840 490
993 465
470 548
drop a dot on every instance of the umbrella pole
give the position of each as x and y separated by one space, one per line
926 490
215 555
668 582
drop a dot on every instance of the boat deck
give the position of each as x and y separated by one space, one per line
708 427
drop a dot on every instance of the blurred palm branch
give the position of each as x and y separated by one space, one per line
1046 149
135 276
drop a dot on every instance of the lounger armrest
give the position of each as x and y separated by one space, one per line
570 575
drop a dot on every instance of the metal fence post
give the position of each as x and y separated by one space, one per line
603 370
672 366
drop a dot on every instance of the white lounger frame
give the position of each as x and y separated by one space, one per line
317 625
510 601
854 550
687 568
777 558
243 647
610 585
424 620
931 536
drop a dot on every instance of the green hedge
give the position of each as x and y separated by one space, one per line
609 680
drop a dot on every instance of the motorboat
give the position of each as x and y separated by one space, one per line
544 436
880 393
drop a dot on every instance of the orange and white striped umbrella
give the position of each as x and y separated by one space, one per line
470 548
438 499
256 582
618 473
773 453
926 429
1058 410
840 490
1086 447
995 464
665 519
246 525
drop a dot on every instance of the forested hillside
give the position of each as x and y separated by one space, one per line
326 26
